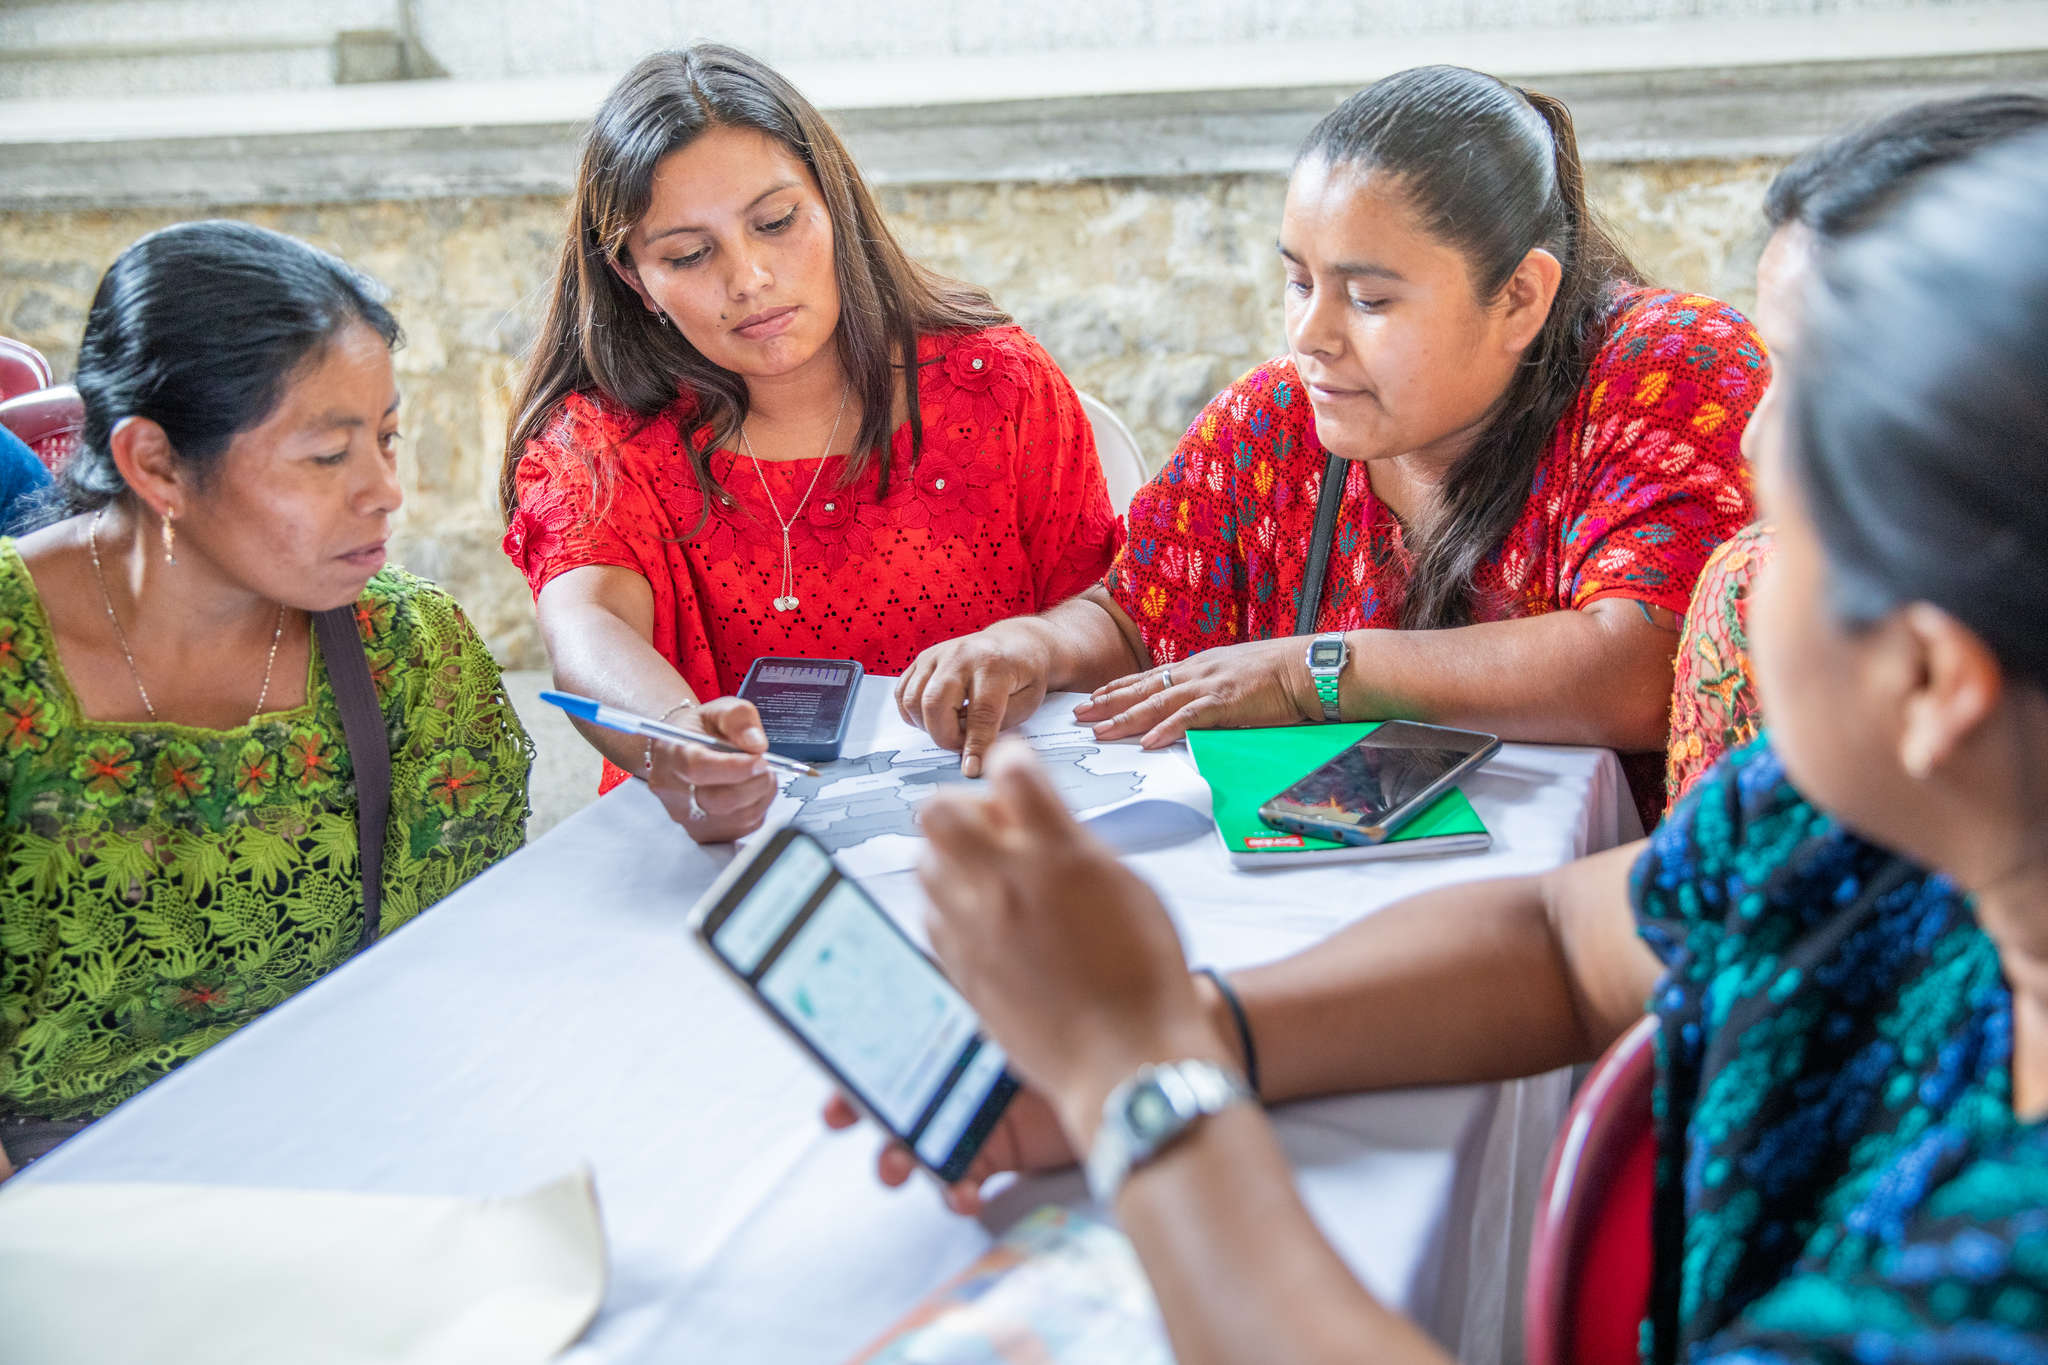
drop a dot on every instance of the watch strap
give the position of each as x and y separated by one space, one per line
1189 1091
1326 689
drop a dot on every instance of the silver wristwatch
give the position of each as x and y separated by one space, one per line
1150 1111
1327 654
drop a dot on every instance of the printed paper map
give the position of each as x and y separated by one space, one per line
1059 1289
863 807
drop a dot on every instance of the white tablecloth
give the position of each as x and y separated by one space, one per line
555 1012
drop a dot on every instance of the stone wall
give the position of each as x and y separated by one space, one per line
1152 293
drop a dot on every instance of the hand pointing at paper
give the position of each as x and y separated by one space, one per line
963 693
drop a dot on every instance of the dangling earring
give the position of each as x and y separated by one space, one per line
662 316
170 538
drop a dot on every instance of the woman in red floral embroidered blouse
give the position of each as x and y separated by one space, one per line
720 452
1538 456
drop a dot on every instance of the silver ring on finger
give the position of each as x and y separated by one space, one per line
697 812
1166 677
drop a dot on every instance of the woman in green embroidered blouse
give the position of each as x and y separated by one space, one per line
177 804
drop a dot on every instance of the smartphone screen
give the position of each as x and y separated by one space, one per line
1389 773
804 703
834 968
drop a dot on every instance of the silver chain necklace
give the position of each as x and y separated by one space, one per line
92 540
787 600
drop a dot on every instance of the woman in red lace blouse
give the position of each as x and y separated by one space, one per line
752 426
1538 456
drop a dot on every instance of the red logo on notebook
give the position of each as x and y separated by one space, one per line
1274 841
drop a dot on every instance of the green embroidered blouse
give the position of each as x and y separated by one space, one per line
161 885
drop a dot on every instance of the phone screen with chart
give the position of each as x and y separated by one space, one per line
839 974
805 704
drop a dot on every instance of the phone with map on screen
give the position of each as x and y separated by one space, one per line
805 704
832 969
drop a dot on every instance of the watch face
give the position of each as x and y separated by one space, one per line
1149 1111
1326 654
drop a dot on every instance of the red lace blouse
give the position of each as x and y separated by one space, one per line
1005 513
1643 478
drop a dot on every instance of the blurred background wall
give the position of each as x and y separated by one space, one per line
1111 169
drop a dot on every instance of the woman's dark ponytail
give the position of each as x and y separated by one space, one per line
1495 172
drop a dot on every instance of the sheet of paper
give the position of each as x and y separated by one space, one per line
864 807
1059 1289
95 1274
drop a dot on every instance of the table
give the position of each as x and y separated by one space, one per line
554 1012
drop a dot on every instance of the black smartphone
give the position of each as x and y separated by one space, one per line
805 704
831 967
1372 788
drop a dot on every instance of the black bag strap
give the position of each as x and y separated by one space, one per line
1336 474
369 750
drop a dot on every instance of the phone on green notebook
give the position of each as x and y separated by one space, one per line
1245 768
1369 790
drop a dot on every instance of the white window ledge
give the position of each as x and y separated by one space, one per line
1668 91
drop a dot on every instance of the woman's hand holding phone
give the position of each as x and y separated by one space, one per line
1069 958
1027 1138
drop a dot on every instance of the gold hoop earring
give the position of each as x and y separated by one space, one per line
170 539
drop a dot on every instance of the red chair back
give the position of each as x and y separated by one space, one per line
1589 1259
22 369
49 420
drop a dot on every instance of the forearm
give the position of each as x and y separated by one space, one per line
1478 982
1601 676
1086 642
1240 1270
596 653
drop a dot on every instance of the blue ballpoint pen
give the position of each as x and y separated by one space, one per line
627 722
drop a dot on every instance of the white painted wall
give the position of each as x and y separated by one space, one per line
525 37
71 48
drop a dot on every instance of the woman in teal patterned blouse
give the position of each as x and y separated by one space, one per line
1843 932
178 846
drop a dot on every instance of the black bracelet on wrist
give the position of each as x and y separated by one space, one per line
1244 1025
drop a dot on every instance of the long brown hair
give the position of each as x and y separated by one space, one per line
598 336
1493 171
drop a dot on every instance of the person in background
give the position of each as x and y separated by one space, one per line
1824 195
1538 454
22 476
751 425
1842 932
178 843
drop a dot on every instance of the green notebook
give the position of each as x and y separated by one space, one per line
1247 768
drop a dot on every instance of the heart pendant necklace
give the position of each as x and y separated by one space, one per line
787 600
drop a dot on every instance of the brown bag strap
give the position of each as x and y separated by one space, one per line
369 750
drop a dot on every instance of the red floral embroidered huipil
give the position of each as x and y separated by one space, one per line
1643 478
1005 513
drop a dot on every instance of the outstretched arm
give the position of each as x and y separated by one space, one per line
1601 675
1076 969
598 622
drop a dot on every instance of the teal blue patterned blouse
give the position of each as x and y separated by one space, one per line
1840 1176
